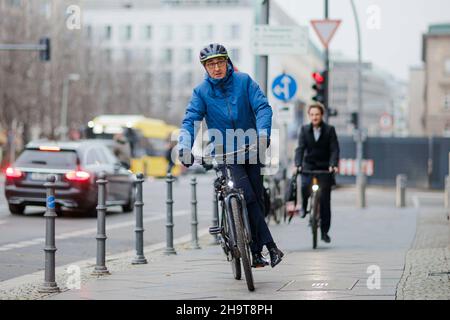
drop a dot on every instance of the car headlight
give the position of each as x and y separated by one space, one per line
315 187
230 184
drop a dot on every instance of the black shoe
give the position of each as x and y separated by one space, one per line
258 261
326 238
303 213
276 256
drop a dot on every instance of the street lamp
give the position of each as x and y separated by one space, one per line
64 106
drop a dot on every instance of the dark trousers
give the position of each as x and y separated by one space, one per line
325 183
248 178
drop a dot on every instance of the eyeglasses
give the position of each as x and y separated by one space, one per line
212 65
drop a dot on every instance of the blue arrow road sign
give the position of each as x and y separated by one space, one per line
284 87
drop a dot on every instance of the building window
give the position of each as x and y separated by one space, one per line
187 56
147 33
148 56
127 56
46 9
166 80
447 130
167 33
235 55
167 55
233 32
108 33
126 33
187 79
447 66
14 3
188 32
208 32
107 53
447 101
89 32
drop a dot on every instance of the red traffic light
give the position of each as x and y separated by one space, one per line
318 77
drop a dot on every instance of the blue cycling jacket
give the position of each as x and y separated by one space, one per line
232 103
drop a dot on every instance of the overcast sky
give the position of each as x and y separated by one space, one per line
395 46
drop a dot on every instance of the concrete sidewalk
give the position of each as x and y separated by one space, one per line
365 243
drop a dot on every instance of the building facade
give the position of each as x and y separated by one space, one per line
436 57
384 99
416 102
163 39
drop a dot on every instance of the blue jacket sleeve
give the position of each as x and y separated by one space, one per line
195 112
261 108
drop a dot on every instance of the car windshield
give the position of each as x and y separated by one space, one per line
47 159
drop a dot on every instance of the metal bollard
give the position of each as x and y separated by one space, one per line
215 220
447 192
169 225
139 230
100 268
194 220
49 285
361 184
401 182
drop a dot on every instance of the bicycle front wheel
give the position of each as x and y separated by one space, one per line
314 218
243 246
234 261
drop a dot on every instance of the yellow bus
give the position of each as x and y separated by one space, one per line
148 138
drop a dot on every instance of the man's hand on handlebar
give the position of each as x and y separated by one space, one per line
186 157
206 166
333 169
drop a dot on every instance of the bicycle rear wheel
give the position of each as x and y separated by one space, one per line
242 243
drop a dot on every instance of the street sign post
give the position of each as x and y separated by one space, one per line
284 87
269 40
325 29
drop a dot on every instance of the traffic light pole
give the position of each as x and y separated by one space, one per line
360 178
263 64
327 70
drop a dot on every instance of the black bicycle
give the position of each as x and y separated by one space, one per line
314 202
274 204
234 226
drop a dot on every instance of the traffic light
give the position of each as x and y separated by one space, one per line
319 86
354 119
332 112
45 54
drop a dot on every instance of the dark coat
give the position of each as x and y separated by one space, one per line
320 155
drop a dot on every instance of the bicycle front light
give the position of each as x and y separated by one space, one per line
315 187
230 184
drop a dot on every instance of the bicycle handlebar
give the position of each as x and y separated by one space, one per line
317 172
246 148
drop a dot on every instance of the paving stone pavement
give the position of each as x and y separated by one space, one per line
365 243
427 266
401 246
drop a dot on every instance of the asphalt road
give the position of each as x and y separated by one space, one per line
22 238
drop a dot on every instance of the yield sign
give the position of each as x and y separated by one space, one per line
325 29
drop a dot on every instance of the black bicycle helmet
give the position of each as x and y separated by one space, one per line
214 50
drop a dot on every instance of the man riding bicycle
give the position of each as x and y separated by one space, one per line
230 102
318 149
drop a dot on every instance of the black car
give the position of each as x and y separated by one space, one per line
76 165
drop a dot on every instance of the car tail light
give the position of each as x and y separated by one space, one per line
13 173
77 176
